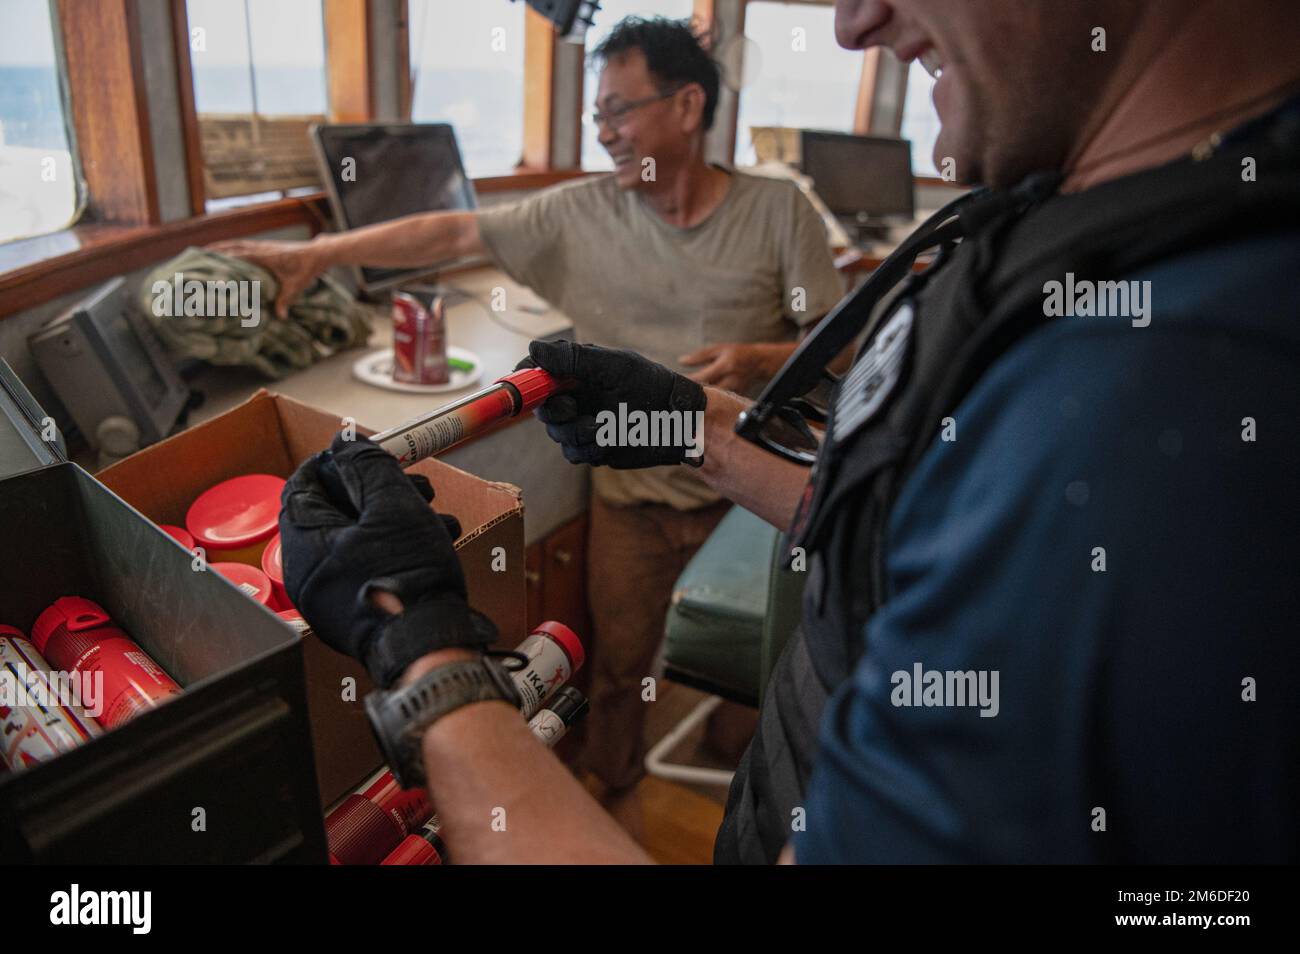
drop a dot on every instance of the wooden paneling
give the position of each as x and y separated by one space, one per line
108 251
733 117
405 92
866 91
347 61
539 89
189 116
534 561
247 154
564 572
101 41
556 574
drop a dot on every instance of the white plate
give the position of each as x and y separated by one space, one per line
377 368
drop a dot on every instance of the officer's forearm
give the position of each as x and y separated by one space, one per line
504 798
757 480
409 242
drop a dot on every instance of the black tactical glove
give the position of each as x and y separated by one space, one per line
353 523
583 420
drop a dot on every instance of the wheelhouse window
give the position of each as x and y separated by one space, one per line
259 83
40 184
794 76
467 69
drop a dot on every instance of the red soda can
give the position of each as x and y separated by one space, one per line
419 338
77 635
36 722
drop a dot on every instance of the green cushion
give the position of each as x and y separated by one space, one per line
715 622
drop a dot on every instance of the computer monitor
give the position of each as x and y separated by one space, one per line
865 179
376 172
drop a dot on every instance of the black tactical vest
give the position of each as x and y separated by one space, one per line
980 297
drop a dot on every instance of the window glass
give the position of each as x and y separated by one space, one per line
795 75
920 121
259 83
39 186
467 69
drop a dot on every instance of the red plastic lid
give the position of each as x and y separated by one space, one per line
248 578
76 612
179 534
13 631
272 564
567 639
534 386
237 512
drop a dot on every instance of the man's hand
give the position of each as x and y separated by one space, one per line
607 379
356 532
737 367
295 265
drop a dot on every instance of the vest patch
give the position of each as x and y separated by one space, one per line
872 380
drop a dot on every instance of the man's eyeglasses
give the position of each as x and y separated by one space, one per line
615 116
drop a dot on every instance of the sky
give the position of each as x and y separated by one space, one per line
26 38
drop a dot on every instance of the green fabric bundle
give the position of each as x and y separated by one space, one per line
208 313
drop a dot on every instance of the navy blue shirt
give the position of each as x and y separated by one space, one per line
1122 694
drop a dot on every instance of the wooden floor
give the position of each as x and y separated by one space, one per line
680 821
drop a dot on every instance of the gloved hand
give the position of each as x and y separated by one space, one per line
352 523
607 378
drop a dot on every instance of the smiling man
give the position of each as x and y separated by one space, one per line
692 264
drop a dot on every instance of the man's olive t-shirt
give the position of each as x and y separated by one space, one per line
755 270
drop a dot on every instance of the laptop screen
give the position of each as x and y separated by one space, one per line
376 172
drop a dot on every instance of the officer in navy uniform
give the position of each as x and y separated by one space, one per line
1049 514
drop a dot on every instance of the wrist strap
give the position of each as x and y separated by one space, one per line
399 718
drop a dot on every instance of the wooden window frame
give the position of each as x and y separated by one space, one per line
106 250
110 111
348 77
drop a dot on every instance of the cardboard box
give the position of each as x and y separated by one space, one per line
272 434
